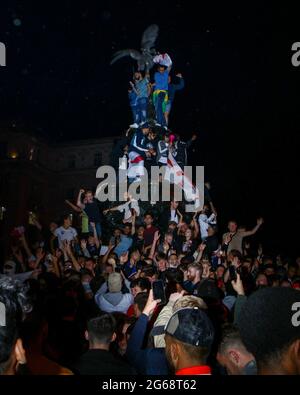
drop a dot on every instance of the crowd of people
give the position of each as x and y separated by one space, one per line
80 297
79 304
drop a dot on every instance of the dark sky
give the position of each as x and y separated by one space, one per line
59 81
241 91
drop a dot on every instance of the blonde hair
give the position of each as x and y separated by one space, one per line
189 301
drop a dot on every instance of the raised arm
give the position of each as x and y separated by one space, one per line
116 208
83 245
97 241
133 87
109 250
201 249
213 209
73 206
79 203
260 221
195 225
70 254
180 222
25 245
155 240
133 223
180 85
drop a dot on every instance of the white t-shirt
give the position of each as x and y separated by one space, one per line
174 216
205 222
65 234
126 207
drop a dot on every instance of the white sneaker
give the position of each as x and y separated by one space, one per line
158 124
134 126
166 127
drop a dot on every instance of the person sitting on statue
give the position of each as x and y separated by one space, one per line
142 89
172 88
138 151
160 94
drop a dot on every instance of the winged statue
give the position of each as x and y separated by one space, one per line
144 57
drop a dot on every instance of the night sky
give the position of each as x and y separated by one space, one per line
241 93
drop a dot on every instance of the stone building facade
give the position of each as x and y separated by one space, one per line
38 175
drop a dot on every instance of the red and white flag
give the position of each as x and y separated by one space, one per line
175 175
135 165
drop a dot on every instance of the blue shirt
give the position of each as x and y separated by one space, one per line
142 88
161 80
149 361
124 245
129 270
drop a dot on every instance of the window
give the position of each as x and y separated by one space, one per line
97 159
72 162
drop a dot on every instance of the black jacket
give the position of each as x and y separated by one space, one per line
101 362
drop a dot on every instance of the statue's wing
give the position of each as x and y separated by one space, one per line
149 37
136 55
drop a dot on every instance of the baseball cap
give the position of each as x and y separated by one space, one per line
191 325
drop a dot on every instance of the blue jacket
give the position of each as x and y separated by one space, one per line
149 361
175 87
139 143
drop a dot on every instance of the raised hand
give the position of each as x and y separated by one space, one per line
260 221
237 285
111 245
202 247
227 239
156 236
151 304
40 255
235 262
124 258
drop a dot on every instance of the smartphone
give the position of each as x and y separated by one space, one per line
232 272
159 291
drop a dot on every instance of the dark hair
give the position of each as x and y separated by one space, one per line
101 329
143 283
161 256
148 213
195 353
65 217
140 300
149 271
237 254
13 295
265 324
174 276
230 337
